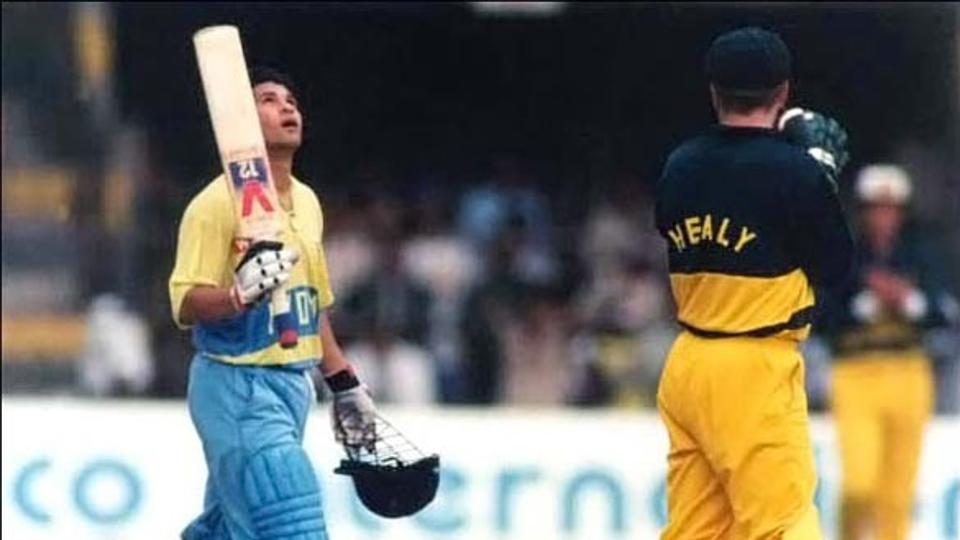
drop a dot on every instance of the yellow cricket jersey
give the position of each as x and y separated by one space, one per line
751 223
208 253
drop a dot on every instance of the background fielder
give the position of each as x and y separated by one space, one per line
882 393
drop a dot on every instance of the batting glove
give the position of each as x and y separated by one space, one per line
823 138
353 414
264 267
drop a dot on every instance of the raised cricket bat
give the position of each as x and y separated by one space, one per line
243 153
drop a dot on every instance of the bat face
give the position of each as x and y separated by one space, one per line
236 118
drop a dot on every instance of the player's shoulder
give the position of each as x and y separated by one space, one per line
688 150
213 201
737 143
785 165
689 159
763 151
778 149
708 145
304 192
799 168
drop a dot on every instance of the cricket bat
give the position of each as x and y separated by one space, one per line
243 153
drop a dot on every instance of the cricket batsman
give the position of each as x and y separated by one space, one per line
248 397
752 222
882 382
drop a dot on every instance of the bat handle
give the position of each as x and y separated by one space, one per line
284 320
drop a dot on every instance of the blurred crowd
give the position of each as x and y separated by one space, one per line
511 286
486 294
489 295
485 300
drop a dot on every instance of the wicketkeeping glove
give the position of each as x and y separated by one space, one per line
264 267
823 138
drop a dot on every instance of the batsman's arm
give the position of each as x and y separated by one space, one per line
198 290
206 303
334 360
353 413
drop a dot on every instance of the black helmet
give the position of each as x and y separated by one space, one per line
393 478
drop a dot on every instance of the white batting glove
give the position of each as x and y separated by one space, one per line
265 267
354 416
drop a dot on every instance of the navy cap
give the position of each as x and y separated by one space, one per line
748 61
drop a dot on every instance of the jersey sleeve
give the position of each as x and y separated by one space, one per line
932 283
818 228
324 289
203 252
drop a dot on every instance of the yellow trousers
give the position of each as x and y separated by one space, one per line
881 404
741 464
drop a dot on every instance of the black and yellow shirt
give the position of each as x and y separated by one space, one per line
856 334
752 223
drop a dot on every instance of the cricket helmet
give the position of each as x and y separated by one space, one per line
392 477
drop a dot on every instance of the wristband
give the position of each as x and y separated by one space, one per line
343 380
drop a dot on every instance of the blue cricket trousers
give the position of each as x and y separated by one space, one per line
261 485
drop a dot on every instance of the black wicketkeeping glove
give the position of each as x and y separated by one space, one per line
823 138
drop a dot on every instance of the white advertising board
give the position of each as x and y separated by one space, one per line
119 470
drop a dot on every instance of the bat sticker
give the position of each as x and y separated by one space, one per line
250 176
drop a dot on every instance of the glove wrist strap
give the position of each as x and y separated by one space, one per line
343 380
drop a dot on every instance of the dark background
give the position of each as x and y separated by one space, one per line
431 93
409 108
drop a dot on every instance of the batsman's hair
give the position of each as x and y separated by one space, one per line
262 74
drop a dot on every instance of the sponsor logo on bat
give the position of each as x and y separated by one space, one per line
250 177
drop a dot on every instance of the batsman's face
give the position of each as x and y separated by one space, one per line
280 116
